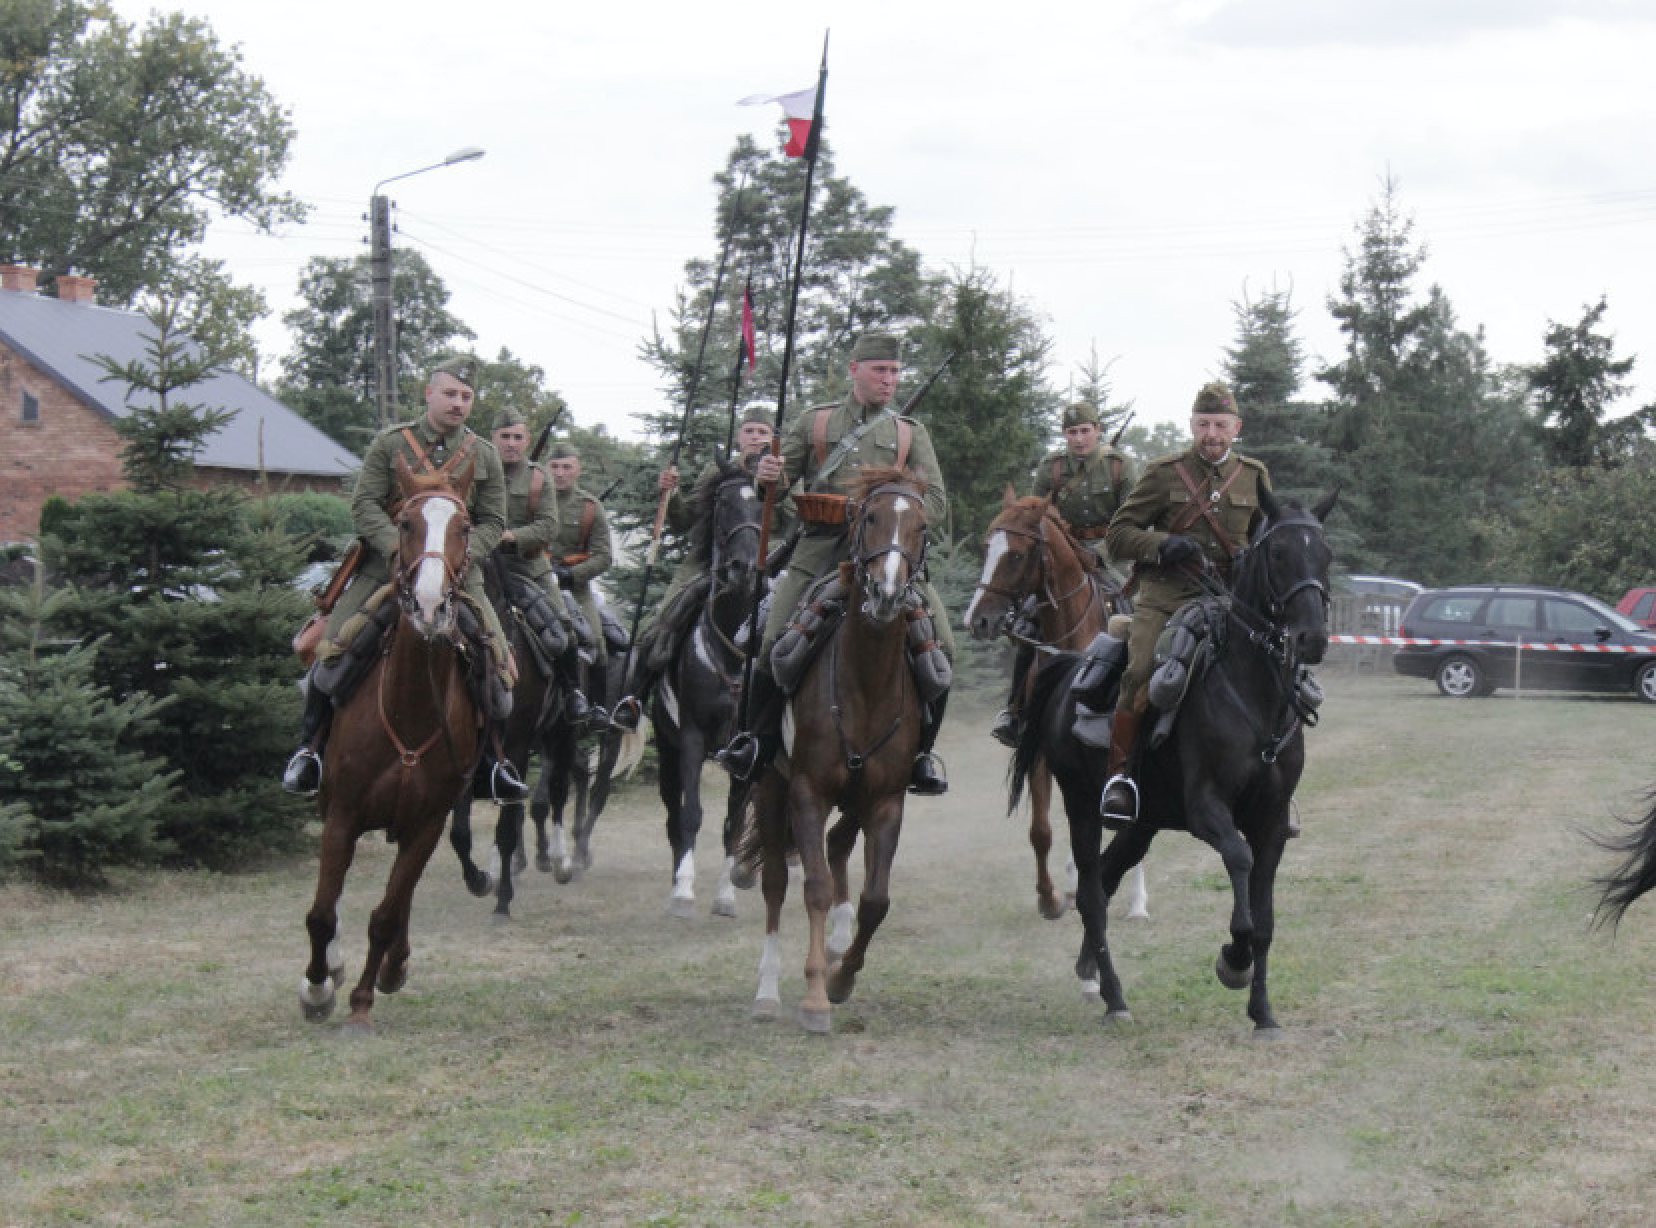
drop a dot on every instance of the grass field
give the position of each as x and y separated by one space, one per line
1460 1048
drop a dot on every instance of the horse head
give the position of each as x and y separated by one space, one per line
732 513
433 545
888 539
1013 561
1283 576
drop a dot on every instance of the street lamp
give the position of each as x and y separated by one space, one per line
379 264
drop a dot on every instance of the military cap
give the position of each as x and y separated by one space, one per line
462 366
563 451
1215 398
1078 413
759 411
875 347
509 416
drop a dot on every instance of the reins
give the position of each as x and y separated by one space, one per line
1042 590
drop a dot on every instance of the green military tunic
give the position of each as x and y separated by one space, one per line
1159 502
527 555
821 546
376 491
1086 491
567 546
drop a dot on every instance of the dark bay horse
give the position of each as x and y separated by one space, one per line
696 699
1227 772
402 748
1028 552
856 721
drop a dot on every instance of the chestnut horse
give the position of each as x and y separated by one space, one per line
1028 552
402 747
856 718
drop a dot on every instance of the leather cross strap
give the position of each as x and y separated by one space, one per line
1202 509
426 465
819 438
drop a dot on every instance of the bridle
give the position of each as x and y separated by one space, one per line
720 550
453 573
1042 587
863 558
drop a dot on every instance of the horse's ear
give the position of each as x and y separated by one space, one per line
405 477
1326 504
1009 496
1268 503
461 482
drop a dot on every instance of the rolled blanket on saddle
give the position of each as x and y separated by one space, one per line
819 615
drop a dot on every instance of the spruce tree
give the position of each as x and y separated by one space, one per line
188 600
77 796
1574 386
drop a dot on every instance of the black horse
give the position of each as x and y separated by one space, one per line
1637 872
696 698
1227 771
576 773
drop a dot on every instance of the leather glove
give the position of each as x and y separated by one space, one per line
1176 548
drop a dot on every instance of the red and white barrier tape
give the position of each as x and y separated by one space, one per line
1399 641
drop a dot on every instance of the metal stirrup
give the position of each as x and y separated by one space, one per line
1120 778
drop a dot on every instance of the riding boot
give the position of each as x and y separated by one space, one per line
597 715
628 712
1008 726
927 777
494 778
567 670
751 750
303 774
1120 800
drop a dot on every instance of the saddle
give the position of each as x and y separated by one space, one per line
548 636
1194 633
821 611
661 643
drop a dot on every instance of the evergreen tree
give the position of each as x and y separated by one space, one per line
187 599
1264 369
1095 388
1573 387
328 376
76 796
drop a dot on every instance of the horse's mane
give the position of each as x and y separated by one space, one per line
872 477
704 498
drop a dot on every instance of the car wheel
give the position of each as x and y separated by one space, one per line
1460 678
1644 682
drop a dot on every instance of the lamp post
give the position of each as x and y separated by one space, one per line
379 264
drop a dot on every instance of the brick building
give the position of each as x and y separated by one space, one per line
57 409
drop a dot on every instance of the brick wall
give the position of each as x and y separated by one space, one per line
71 449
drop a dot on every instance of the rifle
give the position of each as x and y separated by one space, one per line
1122 429
545 436
924 388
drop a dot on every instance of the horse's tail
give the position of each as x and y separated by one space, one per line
1636 875
1050 683
630 752
751 844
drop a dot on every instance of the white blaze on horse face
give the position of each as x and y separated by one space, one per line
991 561
892 584
431 578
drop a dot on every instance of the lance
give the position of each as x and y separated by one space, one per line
812 145
744 349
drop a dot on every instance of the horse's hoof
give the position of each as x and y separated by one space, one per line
481 884
1051 907
500 918
391 979
1118 1019
543 863
683 909
1232 978
1268 1033
1138 914
840 986
766 1010
743 878
316 1001
1090 992
724 906
818 1023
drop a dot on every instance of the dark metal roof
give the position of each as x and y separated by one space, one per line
62 338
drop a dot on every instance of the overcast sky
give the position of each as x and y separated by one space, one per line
1131 168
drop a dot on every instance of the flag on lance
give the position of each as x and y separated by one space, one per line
800 108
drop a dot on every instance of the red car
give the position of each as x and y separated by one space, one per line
1640 605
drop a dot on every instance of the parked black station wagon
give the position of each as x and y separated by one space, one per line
1493 618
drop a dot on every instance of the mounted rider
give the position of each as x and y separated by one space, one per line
822 453
580 552
1086 482
658 644
531 527
438 442
1188 511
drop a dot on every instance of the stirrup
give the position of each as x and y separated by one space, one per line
740 757
1128 783
1008 725
300 777
627 713
926 777
503 785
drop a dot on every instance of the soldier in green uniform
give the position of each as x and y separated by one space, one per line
580 553
823 451
531 525
1199 505
437 442
1086 482
753 439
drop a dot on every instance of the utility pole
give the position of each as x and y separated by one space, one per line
379 267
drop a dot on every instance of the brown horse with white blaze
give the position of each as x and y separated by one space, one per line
856 718
1029 553
402 747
